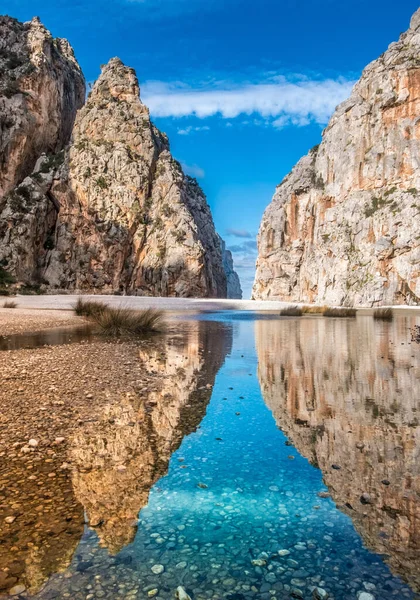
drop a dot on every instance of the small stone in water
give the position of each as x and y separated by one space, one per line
158 569
203 486
259 562
10 520
320 594
181 594
323 494
153 592
365 596
17 589
284 552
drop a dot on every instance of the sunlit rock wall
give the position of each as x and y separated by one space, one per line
342 227
94 202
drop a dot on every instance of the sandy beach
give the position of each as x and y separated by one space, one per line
65 303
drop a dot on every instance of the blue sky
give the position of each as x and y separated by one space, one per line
242 88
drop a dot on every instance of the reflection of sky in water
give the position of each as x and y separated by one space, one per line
236 493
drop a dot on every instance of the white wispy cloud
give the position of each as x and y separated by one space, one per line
193 170
281 101
191 129
240 233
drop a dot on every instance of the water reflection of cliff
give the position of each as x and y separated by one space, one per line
347 393
116 444
117 460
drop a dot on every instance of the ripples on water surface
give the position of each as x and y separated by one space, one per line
231 484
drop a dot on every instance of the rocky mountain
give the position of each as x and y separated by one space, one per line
96 202
41 88
234 289
342 227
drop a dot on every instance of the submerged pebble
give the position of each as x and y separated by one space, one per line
158 569
181 594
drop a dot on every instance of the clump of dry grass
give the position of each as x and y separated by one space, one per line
9 304
291 311
339 312
118 322
313 310
88 308
383 314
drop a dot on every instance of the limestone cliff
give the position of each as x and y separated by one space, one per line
41 88
111 211
234 289
342 227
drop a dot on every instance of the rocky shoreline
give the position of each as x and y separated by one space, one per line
59 406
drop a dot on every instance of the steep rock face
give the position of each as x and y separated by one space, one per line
234 289
345 393
342 226
41 88
113 211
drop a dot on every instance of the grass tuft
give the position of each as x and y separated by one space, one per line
117 322
291 311
383 314
9 304
313 310
88 308
340 312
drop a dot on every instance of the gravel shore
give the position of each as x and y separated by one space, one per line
23 320
47 395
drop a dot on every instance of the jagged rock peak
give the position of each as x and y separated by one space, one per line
117 81
342 226
113 211
415 20
41 88
234 290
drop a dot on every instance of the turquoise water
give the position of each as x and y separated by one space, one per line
238 514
